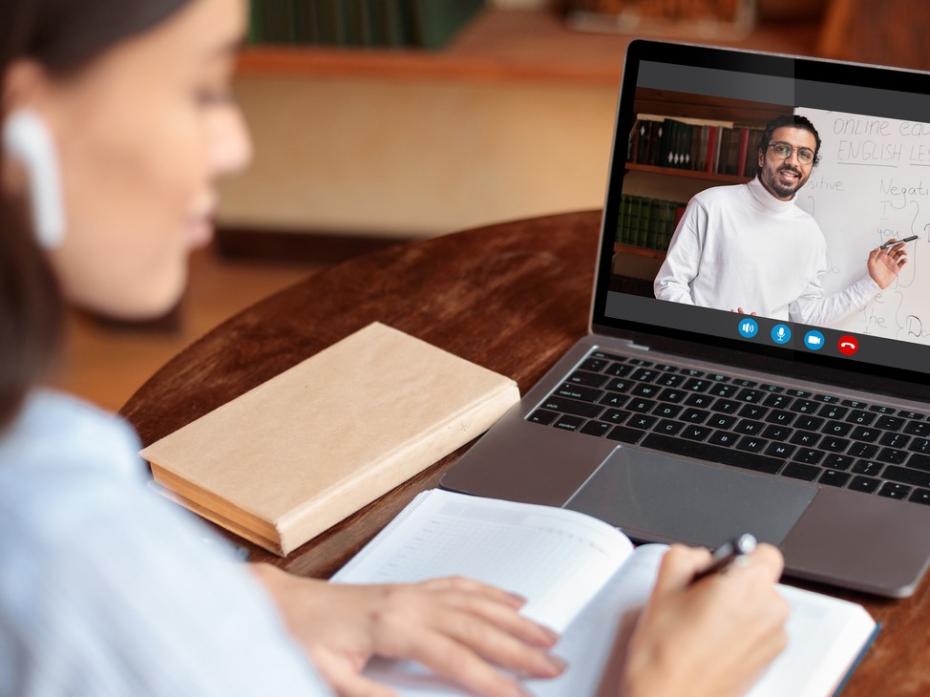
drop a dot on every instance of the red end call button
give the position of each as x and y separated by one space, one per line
848 345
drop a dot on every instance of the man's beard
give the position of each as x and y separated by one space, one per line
784 186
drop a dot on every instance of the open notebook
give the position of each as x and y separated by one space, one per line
584 579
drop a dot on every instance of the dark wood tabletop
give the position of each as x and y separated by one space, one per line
511 297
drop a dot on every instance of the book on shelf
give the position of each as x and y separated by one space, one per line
709 146
427 24
648 222
584 579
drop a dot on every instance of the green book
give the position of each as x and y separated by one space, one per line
435 22
256 22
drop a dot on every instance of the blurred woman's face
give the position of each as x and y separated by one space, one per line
143 133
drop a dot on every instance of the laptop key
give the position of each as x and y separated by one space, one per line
717 377
828 398
723 390
836 428
583 377
921 496
639 361
889 423
596 428
912 415
920 445
668 427
751 444
695 416
832 411
641 404
809 456
706 451
778 401
696 385
724 438
721 421
742 382
641 421
895 440
618 385
860 418
805 406
881 409
569 423
833 478
644 375
799 471
669 380
595 365
645 390
893 490
693 372
782 450
668 411
571 406
613 399
906 475
866 485
749 427
779 417
699 400
727 406
809 423
867 435
869 467
771 388
542 416
838 462
921 462
695 432
797 393
835 445
779 433
753 411
805 438
753 396
615 416
619 370
627 435
917 428
585 394
895 457
670 395
865 450
854 404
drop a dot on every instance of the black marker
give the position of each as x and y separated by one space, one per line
885 245
726 554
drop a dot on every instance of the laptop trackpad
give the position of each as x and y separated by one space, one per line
654 497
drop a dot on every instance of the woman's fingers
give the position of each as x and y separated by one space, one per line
503 617
495 644
456 662
467 585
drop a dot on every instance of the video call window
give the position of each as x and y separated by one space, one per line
788 213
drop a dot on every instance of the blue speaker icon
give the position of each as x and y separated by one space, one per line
781 333
748 327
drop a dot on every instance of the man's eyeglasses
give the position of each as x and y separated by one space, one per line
784 150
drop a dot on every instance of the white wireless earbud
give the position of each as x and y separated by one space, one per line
27 140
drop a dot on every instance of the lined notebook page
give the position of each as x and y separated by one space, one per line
571 556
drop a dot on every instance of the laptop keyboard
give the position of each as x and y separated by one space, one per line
870 448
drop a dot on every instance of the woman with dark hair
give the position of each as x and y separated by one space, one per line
116 120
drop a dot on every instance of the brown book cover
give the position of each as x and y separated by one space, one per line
290 458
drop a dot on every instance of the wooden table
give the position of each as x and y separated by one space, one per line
512 297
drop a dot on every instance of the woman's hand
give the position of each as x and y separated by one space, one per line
710 639
458 628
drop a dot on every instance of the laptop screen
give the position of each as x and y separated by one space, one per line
777 205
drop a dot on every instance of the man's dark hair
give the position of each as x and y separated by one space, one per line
790 121
63 36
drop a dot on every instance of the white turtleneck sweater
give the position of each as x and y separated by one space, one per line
739 246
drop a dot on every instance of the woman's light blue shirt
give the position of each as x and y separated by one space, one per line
107 589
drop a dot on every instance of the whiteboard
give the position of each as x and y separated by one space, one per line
872 184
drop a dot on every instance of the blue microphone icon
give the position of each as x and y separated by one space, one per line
781 333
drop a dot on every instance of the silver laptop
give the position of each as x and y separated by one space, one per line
757 359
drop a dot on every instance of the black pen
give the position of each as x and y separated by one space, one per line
885 245
726 554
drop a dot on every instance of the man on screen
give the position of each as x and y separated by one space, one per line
750 249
